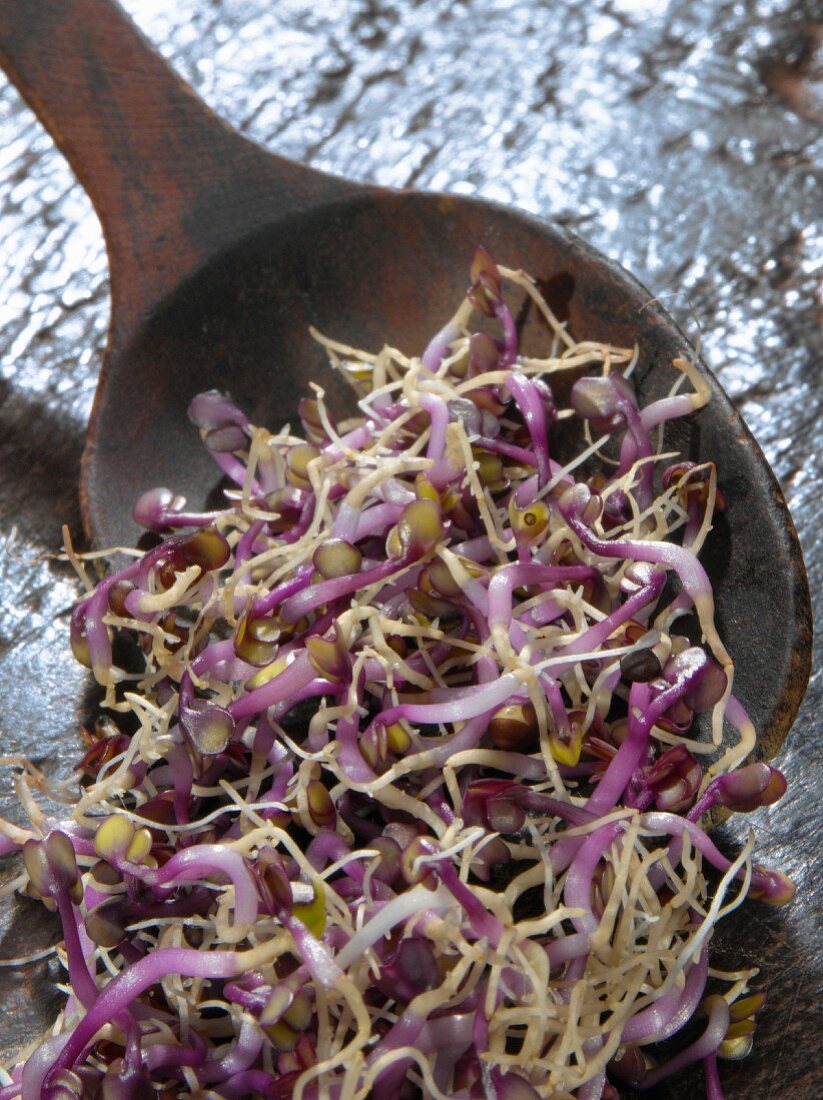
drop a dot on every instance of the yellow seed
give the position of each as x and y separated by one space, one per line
739 1028
313 914
370 750
80 649
113 837
139 846
397 738
565 747
473 568
439 577
394 543
591 513
297 460
425 490
489 468
321 807
529 523
328 656
460 366
735 1049
308 410
337 558
747 1006
277 1004
412 873
432 607
206 548
60 854
283 1037
450 500
298 1015
256 639
420 527
37 866
266 674
360 372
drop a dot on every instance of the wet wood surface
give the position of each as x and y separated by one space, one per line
683 140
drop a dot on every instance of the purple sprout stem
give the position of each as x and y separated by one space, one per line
354 440
438 346
531 408
508 352
468 737
675 825
82 983
596 635
547 611
644 711
438 412
506 449
317 958
327 847
576 946
201 860
438 801
483 924
451 1036
245 547
268 603
694 522
477 549
308 599
593 1089
553 807
578 887
713 1087
130 984
39 1065
376 520
7 845
349 757
160 1056
290 681
456 704
667 408
701 1048
299 529
244 1053
220 661
250 1082
669 1013
506 579
182 779
692 575
234 469
637 444
405 1033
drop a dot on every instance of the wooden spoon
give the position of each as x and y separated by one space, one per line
223 254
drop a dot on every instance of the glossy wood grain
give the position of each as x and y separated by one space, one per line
222 254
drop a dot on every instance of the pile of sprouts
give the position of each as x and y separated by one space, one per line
396 791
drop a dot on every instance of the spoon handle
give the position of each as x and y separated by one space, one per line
171 182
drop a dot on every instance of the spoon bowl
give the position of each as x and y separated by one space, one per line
222 255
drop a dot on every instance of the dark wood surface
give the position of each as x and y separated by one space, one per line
296 261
